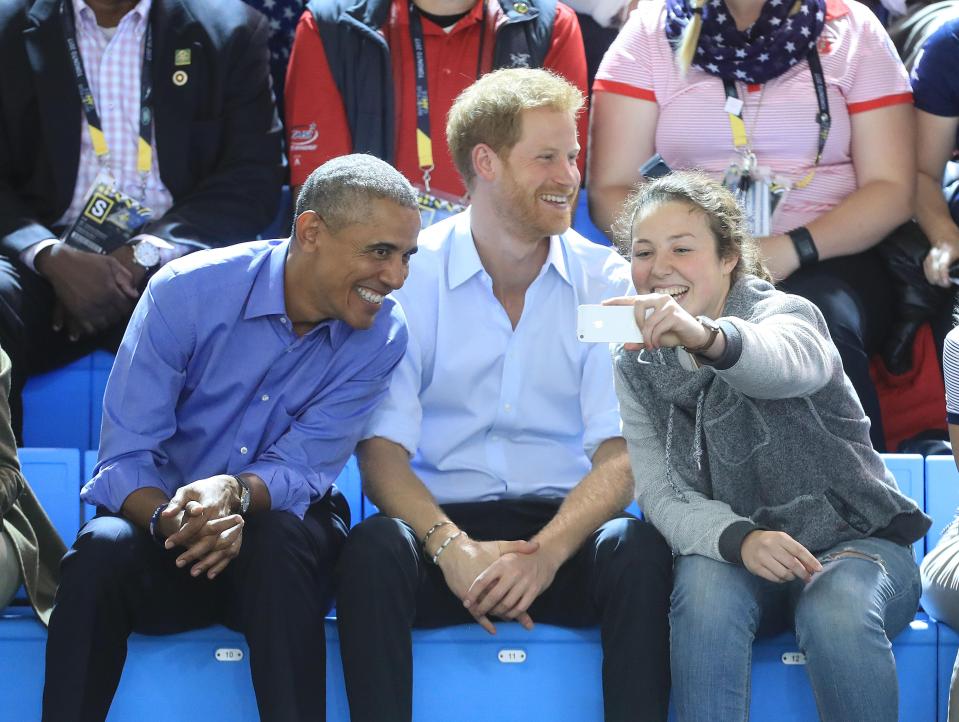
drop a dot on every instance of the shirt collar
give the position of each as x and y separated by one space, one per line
84 13
464 260
267 296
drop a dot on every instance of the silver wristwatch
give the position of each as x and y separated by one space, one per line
244 494
146 255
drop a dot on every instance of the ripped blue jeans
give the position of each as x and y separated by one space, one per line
844 620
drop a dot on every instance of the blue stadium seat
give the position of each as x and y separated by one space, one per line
942 495
910 476
781 690
584 225
464 673
198 675
56 407
948 647
22 643
54 476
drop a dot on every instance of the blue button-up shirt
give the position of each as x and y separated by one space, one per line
489 412
210 379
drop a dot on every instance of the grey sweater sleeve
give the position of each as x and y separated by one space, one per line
786 355
691 522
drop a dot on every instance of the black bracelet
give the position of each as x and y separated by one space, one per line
805 246
155 523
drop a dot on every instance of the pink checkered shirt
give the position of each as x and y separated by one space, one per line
113 70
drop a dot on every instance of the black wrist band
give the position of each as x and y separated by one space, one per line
155 523
805 246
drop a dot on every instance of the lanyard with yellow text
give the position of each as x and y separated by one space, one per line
424 143
144 150
823 118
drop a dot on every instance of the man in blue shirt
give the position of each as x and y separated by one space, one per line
501 426
242 384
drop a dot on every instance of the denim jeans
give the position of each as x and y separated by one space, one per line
844 619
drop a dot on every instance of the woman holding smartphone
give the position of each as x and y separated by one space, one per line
752 457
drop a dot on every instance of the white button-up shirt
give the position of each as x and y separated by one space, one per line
488 412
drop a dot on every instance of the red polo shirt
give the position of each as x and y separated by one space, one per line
316 124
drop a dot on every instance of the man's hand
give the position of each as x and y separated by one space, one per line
465 559
201 502
124 254
96 291
937 262
508 587
216 546
776 556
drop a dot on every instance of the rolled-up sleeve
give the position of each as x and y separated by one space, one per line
139 408
600 408
303 463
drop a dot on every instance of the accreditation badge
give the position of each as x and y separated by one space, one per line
108 220
435 206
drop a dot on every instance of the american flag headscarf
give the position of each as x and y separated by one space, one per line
782 36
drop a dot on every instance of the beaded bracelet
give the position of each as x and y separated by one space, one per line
445 544
155 523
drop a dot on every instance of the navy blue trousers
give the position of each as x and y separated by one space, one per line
117 580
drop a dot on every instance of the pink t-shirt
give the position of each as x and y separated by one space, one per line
862 72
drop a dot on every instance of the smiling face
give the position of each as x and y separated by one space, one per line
345 274
536 181
675 252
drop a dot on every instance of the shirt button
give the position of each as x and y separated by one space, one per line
265 397
507 407
284 320
243 449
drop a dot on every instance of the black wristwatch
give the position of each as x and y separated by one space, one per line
712 328
805 246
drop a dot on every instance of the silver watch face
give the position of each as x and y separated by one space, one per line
146 254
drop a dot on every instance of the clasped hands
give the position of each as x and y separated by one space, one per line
497 578
200 518
93 291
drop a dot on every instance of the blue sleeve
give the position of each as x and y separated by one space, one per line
935 81
319 442
139 405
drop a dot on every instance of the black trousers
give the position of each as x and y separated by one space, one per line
27 301
620 579
855 295
117 580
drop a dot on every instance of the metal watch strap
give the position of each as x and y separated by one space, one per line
245 494
805 246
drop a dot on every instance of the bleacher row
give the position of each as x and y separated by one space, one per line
461 672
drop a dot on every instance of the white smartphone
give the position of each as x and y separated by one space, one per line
607 324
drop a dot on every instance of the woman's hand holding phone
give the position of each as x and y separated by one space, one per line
662 322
